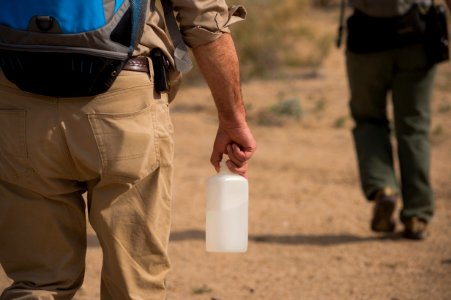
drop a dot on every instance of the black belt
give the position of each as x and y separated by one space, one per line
137 64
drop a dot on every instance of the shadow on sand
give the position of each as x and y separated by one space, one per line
297 239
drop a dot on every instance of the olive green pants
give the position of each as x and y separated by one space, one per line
406 74
118 148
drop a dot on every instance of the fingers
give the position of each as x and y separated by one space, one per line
238 144
240 170
237 162
236 155
215 159
238 159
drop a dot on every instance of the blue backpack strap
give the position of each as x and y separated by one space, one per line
139 13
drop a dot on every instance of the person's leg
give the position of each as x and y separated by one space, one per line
412 90
132 222
42 220
43 244
129 202
369 77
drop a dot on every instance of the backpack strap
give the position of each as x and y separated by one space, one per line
139 12
341 23
182 59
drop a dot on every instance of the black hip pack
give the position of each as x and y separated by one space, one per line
60 74
368 34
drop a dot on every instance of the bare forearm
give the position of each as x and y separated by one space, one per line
219 65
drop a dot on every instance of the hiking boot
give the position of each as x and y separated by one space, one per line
415 229
385 203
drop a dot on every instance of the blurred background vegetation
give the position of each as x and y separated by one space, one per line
280 38
285 40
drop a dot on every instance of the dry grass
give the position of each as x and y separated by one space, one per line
280 35
281 38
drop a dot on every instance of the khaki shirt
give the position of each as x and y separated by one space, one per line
201 22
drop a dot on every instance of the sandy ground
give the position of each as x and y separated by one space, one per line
308 221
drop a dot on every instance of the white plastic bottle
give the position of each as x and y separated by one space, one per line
227 212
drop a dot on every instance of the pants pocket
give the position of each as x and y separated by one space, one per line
13 147
127 143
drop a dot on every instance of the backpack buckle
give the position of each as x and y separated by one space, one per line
44 23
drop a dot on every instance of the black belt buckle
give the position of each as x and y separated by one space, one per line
160 70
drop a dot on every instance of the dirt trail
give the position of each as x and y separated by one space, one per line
309 224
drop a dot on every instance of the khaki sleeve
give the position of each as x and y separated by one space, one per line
203 21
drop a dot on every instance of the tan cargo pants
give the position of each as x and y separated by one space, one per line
118 148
